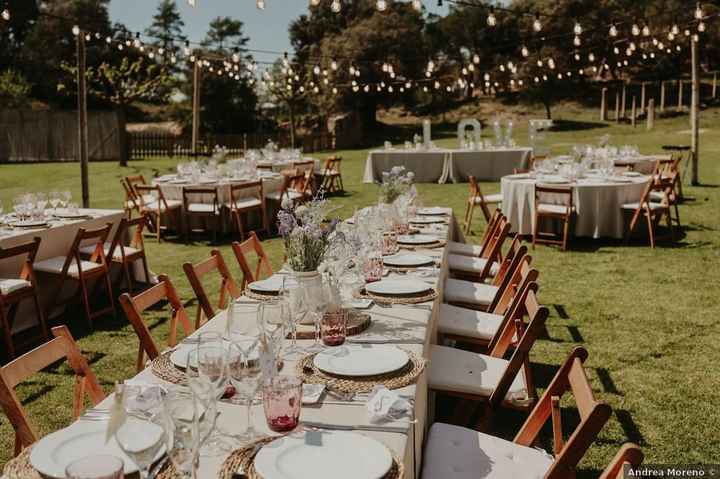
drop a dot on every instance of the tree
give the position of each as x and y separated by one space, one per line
167 26
285 83
14 90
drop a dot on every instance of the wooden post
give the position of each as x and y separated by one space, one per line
662 96
695 111
623 105
617 107
651 114
714 86
82 117
634 111
642 98
603 105
680 95
197 78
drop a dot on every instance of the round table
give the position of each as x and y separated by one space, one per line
597 202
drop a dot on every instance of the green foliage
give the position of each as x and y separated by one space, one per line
14 90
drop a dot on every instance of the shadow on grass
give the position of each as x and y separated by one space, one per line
570 125
37 394
630 428
607 382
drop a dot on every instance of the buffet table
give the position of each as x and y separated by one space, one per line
443 165
597 202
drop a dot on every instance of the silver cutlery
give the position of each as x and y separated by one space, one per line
360 427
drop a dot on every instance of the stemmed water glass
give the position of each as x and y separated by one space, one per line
66 198
272 318
317 294
245 373
212 371
54 200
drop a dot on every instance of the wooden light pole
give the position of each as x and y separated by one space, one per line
197 78
695 111
82 117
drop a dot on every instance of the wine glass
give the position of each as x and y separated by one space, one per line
317 295
244 374
54 200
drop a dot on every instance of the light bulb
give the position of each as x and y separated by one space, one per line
591 57
701 27
671 36
6 15
524 51
316 70
539 63
551 64
646 31
417 5
314 3
476 59
577 57
613 30
578 29
260 4
698 12
491 20
334 65
537 25
108 40
381 5
635 30
336 6
75 30
675 30
577 41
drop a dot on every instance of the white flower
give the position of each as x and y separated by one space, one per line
287 203
411 176
301 211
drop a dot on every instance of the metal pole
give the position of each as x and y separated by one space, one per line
82 118
196 108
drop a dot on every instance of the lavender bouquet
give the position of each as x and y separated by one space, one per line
306 234
395 183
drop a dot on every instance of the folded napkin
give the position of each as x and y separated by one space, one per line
384 405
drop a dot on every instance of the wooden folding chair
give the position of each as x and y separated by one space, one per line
666 188
303 166
652 211
201 204
486 264
116 251
246 198
154 205
489 378
562 211
228 286
243 251
135 306
476 198
453 451
15 290
630 455
73 267
61 346
469 249
292 191
132 203
330 177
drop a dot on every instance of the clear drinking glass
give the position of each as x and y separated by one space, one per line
318 297
100 466
282 401
142 437
244 374
191 420
272 319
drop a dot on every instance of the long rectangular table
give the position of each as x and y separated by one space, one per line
55 240
415 326
443 165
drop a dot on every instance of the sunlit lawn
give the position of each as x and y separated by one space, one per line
649 318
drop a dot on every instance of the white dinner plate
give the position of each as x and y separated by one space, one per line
407 260
63 213
434 211
621 179
553 180
51 454
207 181
29 224
426 220
179 357
416 239
633 174
324 455
272 284
361 360
396 287
179 182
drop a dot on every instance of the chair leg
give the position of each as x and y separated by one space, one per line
86 301
158 226
146 270
471 211
650 229
535 230
41 316
108 287
670 225
7 333
566 227
128 277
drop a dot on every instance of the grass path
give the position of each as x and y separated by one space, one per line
649 318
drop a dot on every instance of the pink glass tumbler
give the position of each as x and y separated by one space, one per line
282 400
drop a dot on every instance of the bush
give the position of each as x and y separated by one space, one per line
14 90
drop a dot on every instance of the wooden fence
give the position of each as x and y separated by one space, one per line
28 136
146 145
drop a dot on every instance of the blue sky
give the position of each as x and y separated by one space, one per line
267 29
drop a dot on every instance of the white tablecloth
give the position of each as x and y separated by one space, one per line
413 327
597 203
643 163
55 241
442 165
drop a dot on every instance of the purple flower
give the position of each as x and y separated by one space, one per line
286 223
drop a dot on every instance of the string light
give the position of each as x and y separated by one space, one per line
336 6
491 20
698 12
537 25
260 4
675 29
381 5
635 29
577 41
417 5
5 15
613 30
577 29
646 30
75 30
701 27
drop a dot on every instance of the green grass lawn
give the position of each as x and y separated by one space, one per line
649 318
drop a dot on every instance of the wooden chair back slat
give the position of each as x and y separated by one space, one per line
228 286
20 369
243 251
592 421
135 306
491 225
630 454
513 283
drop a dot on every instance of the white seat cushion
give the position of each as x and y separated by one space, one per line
171 204
457 262
454 452
634 206
553 209
55 265
465 249
208 208
243 203
90 249
468 322
275 195
9 285
657 196
460 291
493 199
466 372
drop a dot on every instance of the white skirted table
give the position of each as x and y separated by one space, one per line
597 203
443 165
55 240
